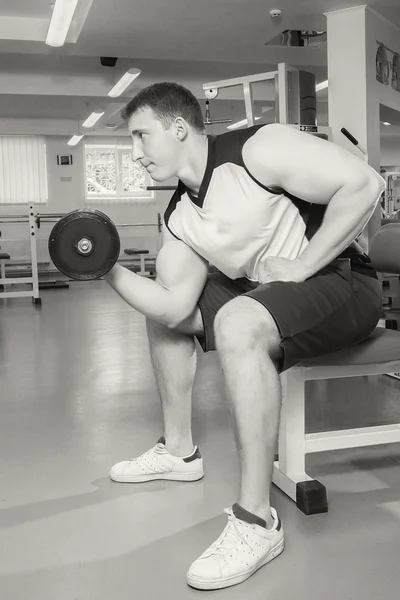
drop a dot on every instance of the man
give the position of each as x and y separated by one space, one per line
272 209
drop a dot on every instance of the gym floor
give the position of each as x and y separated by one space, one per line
78 395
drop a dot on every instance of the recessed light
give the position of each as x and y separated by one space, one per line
386 123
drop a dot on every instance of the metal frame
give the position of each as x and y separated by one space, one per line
282 91
34 280
294 443
246 82
281 77
223 83
286 82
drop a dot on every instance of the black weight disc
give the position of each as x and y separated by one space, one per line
84 244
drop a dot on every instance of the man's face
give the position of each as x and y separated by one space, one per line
153 146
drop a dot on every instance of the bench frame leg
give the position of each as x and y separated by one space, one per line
289 470
3 271
142 266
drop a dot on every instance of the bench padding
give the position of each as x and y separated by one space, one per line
134 251
382 346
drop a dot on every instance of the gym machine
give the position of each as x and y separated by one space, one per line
295 95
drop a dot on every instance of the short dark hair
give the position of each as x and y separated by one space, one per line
167 101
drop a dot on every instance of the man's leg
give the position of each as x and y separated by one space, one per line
249 347
247 340
174 360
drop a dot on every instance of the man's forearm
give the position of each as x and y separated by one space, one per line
345 217
145 295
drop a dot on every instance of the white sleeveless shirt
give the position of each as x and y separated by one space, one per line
235 222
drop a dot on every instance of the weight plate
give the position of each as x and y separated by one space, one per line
84 244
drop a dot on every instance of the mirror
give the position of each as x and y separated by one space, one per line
390 161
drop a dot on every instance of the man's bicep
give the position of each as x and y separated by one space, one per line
167 235
183 272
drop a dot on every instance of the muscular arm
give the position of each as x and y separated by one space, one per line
319 172
181 275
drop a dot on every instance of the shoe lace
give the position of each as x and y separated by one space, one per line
230 536
149 454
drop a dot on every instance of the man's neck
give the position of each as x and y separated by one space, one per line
193 171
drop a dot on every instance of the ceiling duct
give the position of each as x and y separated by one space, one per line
299 38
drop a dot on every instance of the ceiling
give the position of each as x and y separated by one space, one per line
189 41
210 30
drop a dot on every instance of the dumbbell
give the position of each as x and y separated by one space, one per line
84 244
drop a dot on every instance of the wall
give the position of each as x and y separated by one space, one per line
65 196
354 92
378 29
390 154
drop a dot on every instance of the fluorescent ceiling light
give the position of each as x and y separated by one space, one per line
75 140
386 123
93 118
124 83
60 23
321 86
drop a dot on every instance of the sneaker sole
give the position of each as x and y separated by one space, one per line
217 584
194 476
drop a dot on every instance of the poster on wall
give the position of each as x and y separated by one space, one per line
387 69
382 65
396 72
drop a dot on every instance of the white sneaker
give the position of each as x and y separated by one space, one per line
158 463
241 549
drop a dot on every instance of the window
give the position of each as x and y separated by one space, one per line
23 171
111 174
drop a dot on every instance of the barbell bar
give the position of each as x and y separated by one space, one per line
84 244
53 219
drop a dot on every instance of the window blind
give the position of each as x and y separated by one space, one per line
23 172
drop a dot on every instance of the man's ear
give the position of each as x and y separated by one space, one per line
181 128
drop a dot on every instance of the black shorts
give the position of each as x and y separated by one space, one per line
336 308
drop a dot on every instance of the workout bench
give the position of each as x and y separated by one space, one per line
379 354
3 257
141 254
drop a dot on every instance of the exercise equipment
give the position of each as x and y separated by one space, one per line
141 254
35 220
53 285
379 354
84 244
295 97
33 280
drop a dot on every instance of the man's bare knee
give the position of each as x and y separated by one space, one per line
243 323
